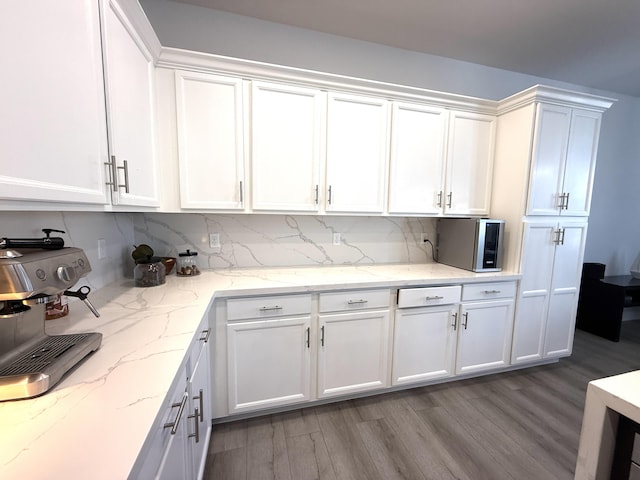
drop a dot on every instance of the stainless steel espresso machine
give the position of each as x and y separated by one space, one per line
32 273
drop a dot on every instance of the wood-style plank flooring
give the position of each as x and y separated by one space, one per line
522 425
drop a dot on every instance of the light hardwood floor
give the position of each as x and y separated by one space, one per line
522 425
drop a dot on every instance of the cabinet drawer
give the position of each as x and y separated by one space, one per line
354 300
488 291
427 296
271 306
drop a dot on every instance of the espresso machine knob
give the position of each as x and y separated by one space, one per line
66 273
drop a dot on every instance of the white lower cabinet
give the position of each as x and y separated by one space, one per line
178 443
353 352
269 363
552 262
424 344
484 335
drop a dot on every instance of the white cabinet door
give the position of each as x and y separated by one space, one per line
565 287
484 335
353 355
417 159
287 129
535 291
581 162
53 124
269 363
424 344
563 161
209 112
200 415
130 110
469 163
357 152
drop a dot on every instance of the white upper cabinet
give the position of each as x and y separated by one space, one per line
209 112
129 83
563 161
357 153
53 130
469 163
417 159
287 128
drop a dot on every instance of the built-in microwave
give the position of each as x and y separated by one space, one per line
470 243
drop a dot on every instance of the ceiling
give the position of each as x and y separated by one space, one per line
595 43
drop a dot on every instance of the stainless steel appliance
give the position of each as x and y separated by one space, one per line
32 362
470 243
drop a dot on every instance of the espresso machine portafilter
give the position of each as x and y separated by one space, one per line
31 361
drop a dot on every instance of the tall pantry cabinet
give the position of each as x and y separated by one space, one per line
546 146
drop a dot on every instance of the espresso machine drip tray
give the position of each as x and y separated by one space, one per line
37 370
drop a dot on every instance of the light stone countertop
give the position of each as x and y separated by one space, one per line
94 422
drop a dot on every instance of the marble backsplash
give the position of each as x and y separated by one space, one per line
245 240
287 240
83 229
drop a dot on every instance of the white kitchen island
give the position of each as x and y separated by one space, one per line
607 399
95 422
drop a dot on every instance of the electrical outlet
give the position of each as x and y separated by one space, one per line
214 240
102 248
337 239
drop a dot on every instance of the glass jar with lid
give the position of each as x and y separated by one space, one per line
187 264
149 272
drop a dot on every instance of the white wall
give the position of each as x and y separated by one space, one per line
614 232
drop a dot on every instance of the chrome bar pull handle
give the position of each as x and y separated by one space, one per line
439 202
195 416
308 337
465 315
322 336
317 194
561 240
455 321
125 168
491 292
200 399
241 192
556 237
268 309
329 195
435 297
449 199
357 302
204 335
566 201
174 425
113 174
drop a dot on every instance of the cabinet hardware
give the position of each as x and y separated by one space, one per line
560 202
357 302
200 399
566 201
435 297
455 321
317 194
561 236
322 336
329 194
241 192
439 202
490 292
113 174
308 336
449 198
266 309
195 416
204 335
556 237
466 319
174 425
125 168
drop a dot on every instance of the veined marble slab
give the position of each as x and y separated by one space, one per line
94 423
